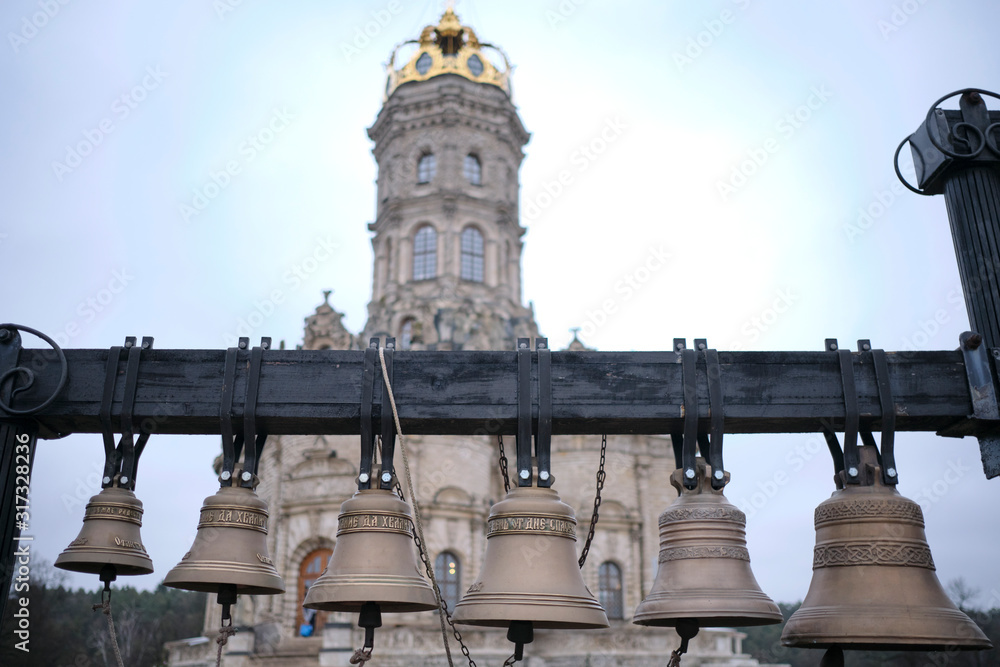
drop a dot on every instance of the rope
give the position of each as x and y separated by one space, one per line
413 500
225 632
361 656
105 607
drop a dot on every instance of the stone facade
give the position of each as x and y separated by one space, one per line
448 150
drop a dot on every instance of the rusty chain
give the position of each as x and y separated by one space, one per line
503 466
597 502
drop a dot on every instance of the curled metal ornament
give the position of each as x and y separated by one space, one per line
983 141
30 376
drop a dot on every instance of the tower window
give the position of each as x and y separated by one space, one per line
425 253
406 334
426 168
472 169
610 587
448 573
310 622
472 255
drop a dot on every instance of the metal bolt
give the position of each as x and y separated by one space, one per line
973 342
246 475
853 472
129 343
145 345
390 346
106 480
891 472
833 347
996 353
702 346
524 474
264 345
124 479
243 345
689 473
522 346
544 475
386 477
226 475
4 335
363 477
541 346
679 347
866 347
718 474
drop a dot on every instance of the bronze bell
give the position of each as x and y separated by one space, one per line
704 573
230 548
530 572
873 584
110 536
373 559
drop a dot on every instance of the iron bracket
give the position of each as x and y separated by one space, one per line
689 374
718 425
232 446
524 476
543 438
253 441
677 437
984 422
367 422
121 462
852 414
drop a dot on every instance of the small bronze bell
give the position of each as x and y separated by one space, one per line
704 573
230 548
110 536
873 584
373 559
530 571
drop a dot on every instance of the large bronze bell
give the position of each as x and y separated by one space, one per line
530 571
704 573
230 548
873 584
110 536
373 559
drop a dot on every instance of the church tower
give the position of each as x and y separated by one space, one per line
447 245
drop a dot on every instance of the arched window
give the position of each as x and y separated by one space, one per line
406 334
425 253
472 255
448 573
312 566
472 169
610 587
426 168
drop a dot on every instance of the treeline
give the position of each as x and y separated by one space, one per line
764 644
65 631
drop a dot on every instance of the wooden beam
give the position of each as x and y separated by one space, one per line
466 393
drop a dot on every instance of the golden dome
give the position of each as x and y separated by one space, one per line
449 48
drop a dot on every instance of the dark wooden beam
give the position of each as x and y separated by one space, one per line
466 393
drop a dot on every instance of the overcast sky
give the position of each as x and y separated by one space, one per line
748 143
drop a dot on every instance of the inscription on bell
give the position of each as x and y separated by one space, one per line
531 524
374 521
129 544
265 560
113 512
234 517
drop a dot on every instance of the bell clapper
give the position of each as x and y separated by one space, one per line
369 619
834 657
521 633
108 574
227 598
687 629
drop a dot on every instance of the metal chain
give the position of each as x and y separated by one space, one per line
418 534
503 466
597 502
105 607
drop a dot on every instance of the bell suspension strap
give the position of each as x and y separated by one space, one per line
418 535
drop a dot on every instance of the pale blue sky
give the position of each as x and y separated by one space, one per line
673 98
